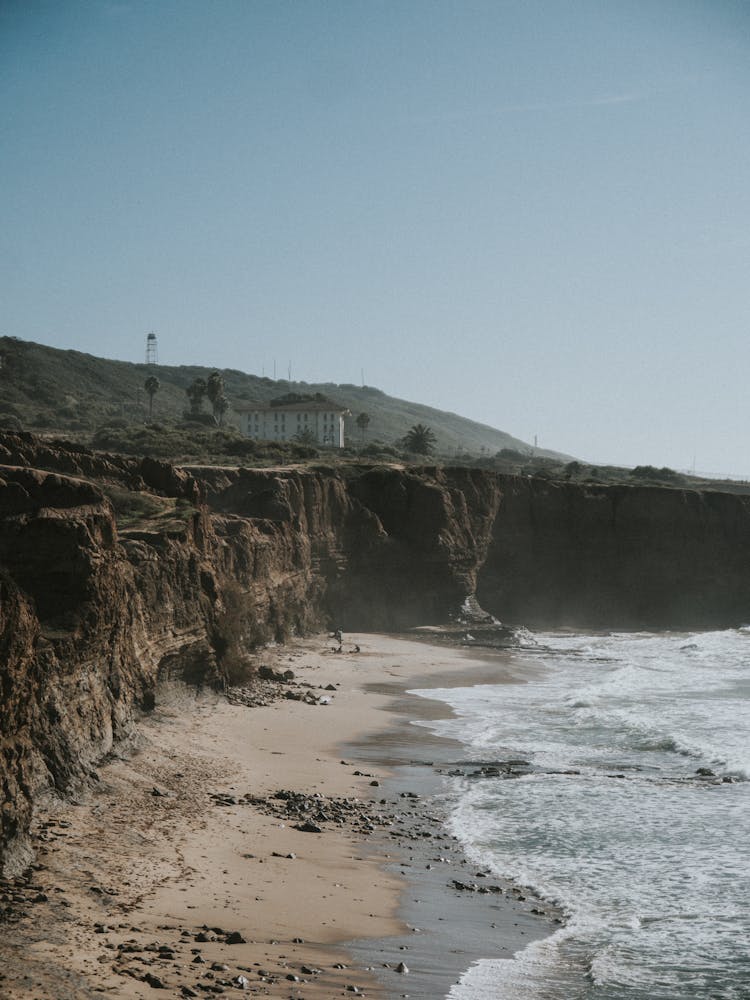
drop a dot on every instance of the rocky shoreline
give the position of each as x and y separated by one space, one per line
454 911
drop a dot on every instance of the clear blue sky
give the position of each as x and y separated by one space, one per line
536 214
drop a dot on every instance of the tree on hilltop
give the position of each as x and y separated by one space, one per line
221 405
195 393
152 386
420 440
305 436
215 390
362 422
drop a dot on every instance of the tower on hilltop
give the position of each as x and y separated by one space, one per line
152 351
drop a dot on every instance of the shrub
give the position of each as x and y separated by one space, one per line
203 419
233 635
651 473
131 506
377 450
511 455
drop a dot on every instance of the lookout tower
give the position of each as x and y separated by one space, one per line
152 351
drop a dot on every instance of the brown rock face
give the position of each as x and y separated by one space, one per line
117 573
618 557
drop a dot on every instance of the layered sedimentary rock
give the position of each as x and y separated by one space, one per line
102 595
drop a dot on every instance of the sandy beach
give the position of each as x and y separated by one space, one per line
184 870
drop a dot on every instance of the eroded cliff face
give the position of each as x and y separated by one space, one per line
117 573
387 548
102 596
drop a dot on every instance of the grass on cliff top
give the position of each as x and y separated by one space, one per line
185 444
135 510
188 444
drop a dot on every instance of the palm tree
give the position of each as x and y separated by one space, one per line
195 393
221 405
420 440
362 421
152 386
215 391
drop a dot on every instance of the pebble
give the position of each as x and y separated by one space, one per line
154 982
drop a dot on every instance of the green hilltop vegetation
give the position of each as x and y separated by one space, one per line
47 390
102 404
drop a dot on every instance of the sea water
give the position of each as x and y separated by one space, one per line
648 858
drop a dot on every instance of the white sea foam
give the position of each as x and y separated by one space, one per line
647 857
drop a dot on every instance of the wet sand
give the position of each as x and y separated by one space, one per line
446 930
143 880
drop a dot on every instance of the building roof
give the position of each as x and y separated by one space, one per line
305 407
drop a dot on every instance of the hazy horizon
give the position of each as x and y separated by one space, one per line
534 215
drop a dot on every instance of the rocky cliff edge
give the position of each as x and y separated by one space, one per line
117 573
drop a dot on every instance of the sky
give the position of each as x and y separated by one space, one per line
535 214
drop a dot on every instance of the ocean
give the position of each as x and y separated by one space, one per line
612 819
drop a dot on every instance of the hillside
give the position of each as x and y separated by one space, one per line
46 389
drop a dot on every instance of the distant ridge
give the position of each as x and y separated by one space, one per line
46 388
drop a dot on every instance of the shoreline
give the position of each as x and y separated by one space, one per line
183 846
448 930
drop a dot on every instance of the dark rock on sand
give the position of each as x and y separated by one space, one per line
234 937
269 674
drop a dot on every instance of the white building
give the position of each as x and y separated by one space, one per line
288 421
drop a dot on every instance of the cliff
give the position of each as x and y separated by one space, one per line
116 573
618 557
